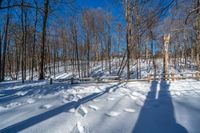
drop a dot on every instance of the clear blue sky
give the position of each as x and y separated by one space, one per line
111 6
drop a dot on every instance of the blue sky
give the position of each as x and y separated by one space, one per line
93 3
112 6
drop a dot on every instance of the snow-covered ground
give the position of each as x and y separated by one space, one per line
133 107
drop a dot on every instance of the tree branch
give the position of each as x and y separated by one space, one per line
19 5
190 13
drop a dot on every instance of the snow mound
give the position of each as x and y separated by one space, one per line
12 105
129 110
21 93
96 100
47 106
93 107
132 97
82 110
79 128
72 110
2 108
65 101
139 95
139 103
30 100
113 114
110 98
69 97
177 93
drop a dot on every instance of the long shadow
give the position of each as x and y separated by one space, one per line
157 113
46 115
41 89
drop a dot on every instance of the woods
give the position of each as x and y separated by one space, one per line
36 39
99 66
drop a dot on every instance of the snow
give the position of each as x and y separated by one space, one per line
129 110
82 110
93 107
21 93
110 98
72 110
2 108
47 106
113 113
80 127
30 100
132 107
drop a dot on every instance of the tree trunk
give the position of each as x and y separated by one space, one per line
5 45
45 17
128 35
0 57
22 43
34 43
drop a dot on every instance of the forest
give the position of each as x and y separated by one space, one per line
99 66
37 37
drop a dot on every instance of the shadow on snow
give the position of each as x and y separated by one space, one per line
157 113
46 115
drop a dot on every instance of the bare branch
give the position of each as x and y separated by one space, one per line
190 13
19 5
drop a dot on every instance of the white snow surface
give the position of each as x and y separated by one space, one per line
133 107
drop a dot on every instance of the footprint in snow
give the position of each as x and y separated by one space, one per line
72 110
47 106
139 103
21 93
172 93
65 101
70 97
177 93
82 110
79 96
110 98
30 100
12 105
129 110
132 97
80 128
93 107
111 90
96 100
113 114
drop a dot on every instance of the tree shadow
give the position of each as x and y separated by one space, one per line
51 113
157 113
30 89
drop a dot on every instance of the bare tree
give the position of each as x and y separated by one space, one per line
5 43
45 17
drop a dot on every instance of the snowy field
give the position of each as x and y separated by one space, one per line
134 107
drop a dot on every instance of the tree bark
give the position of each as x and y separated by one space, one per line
45 17
5 44
128 35
0 56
